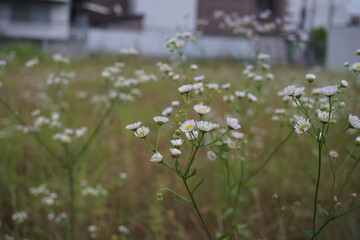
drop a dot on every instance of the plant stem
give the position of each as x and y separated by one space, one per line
196 207
71 182
317 188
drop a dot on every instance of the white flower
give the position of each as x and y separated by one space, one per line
175 153
290 90
123 229
329 90
202 109
192 135
165 68
263 56
357 141
354 121
226 86
175 103
194 67
92 228
177 142
185 88
230 143
299 91
161 120
123 175
252 97
62 137
233 123
237 135
133 126
188 126
323 116
211 155
310 77
80 131
213 86
180 44
205 126
344 83
157 157
355 67
19 217
240 94
302 125
35 112
142 132
269 76
167 111
199 78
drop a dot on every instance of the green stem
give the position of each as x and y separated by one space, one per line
269 157
196 208
317 189
71 182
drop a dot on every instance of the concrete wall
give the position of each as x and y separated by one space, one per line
151 43
166 15
341 46
318 12
57 29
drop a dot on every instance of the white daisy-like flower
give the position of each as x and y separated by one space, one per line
92 228
175 103
198 86
202 109
258 78
161 120
355 67
230 143
237 135
192 135
123 229
226 86
157 157
175 153
269 76
80 131
299 92
175 77
302 125
354 121
344 83
290 90
185 88
167 111
252 97
133 126
310 77
199 78
177 142
123 175
211 155
323 116
329 90
240 94
205 126
165 68
357 141
233 123
194 67
180 44
213 86
188 126
142 132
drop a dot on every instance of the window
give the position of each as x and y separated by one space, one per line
31 12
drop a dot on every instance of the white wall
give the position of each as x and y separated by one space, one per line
57 29
152 43
341 46
318 12
166 14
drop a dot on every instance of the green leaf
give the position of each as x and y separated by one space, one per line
228 212
197 185
193 173
177 167
312 177
223 236
182 201
308 233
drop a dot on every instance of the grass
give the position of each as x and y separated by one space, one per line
132 202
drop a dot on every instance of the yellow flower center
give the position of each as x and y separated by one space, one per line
188 127
231 144
357 66
142 133
303 127
202 109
